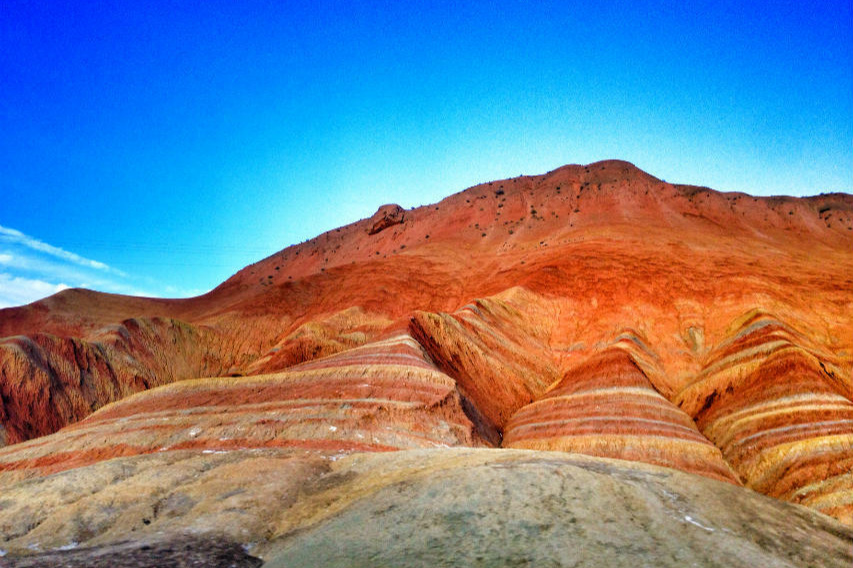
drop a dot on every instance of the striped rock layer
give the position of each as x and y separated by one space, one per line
48 381
383 396
496 355
774 406
607 407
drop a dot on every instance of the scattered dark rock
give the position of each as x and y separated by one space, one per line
177 552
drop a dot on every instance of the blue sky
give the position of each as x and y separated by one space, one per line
156 148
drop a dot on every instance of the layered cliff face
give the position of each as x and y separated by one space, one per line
497 354
383 396
779 409
607 407
592 310
48 381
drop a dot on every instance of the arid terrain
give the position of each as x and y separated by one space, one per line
586 367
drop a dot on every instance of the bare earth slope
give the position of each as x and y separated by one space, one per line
447 507
593 310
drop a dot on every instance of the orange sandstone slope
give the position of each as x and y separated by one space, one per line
594 309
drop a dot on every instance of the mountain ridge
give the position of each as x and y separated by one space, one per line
823 205
591 310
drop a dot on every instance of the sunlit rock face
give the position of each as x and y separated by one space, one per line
380 397
776 406
51 381
607 407
594 310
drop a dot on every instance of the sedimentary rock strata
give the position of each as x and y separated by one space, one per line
494 354
48 381
591 310
778 411
607 407
380 397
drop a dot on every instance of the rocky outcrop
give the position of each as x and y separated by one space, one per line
386 216
491 348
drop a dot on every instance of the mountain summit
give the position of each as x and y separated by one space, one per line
667 342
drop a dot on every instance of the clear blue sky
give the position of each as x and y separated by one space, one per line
158 147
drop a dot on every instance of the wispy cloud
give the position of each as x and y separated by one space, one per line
17 237
16 290
31 269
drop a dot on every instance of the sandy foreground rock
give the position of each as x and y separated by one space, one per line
445 507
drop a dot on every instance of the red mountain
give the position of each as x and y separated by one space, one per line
593 310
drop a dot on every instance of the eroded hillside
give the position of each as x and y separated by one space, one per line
592 310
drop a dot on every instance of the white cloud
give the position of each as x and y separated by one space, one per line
16 290
31 269
24 263
17 237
